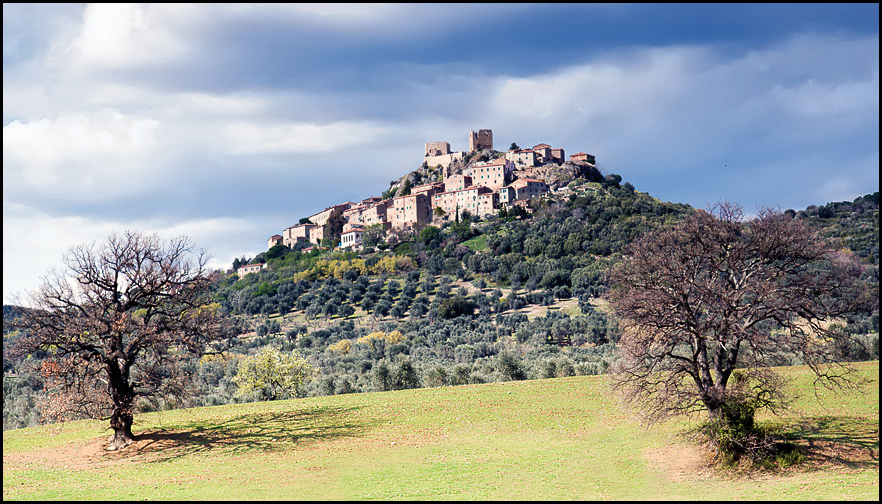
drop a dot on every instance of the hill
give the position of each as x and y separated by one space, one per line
507 298
563 438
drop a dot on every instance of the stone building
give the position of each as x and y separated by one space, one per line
437 148
439 154
294 234
543 153
457 182
581 156
351 235
428 189
475 199
492 174
321 218
481 140
488 203
376 214
273 241
317 234
527 189
411 209
249 268
522 158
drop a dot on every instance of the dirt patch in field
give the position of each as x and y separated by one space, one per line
828 444
681 462
74 456
845 456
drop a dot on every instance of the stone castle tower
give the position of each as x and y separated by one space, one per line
481 140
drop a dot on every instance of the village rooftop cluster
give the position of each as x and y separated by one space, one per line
482 188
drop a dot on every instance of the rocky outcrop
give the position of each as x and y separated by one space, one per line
559 175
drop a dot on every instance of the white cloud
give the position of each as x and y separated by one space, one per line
647 81
215 104
77 151
45 238
690 106
248 137
122 35
818 101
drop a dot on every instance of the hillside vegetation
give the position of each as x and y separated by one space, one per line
564 438
509 298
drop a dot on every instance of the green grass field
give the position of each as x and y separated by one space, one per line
565 438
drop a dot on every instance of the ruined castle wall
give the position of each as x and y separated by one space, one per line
481 140
444 160
437 148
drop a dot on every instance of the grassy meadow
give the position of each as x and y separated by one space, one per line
564 438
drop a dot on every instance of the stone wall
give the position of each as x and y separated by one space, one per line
444 160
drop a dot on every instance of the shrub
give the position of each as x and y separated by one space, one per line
437 377
734 435
341 347
456 306
510 367
272 374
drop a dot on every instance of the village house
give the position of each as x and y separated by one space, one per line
467 199
428 189
446 201
273 241
476 199
527 189
249 268
351 235
543 153
522 157
296 233
492 174
321 218
581 156
317 234
488 203
355 214
377 213
411 209
507 196
457 183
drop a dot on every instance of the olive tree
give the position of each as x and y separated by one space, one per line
273 374
116 325
717 292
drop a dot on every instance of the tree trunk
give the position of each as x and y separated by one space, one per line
715 412
122 416
121 423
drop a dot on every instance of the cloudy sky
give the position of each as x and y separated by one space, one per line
228 123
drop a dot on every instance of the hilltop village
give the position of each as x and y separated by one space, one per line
479 181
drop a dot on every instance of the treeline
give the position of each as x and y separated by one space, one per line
855 224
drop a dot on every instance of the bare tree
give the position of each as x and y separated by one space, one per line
714 293
117 323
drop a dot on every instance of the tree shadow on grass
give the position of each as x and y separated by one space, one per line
252 432
849 442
